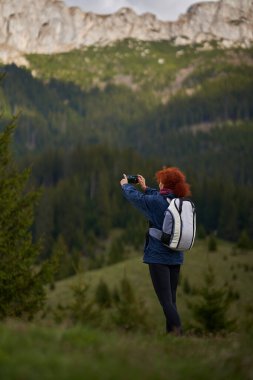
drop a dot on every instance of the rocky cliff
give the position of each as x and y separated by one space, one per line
49 26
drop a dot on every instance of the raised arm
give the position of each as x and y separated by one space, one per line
138 199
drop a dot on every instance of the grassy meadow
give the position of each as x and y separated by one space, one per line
45 350
31 352
231 267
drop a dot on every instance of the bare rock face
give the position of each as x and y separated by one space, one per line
228 21
49 26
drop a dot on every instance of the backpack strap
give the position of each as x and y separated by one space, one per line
155 232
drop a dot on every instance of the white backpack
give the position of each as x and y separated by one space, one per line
179 225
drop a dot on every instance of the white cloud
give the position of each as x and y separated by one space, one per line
164 9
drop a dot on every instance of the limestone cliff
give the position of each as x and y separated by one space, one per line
49 26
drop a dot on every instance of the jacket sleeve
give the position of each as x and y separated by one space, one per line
142 201
150 191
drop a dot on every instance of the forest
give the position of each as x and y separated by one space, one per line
79 141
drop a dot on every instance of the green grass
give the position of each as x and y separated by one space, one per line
44 350
33 352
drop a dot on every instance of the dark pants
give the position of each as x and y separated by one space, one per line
165 280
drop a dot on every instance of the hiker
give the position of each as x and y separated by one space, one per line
164 263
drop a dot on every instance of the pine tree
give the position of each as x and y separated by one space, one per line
81 309
131 313
116 252
103 295
21 277
244 241
210 312
66 263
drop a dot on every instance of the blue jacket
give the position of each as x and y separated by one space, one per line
153 205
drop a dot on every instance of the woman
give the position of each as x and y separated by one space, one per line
164 263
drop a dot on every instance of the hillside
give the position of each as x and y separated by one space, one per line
136 101
113 94
66 350
231 268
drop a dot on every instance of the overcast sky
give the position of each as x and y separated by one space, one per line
163 9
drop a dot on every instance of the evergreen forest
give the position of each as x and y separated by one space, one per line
86 117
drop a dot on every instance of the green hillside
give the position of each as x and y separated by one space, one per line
45 350
137 64
87 116
140 65
125 94
231 267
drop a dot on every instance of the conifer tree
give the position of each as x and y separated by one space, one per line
116 252
103 295
81 309
210 311
21 278
67 264
244 241
131 313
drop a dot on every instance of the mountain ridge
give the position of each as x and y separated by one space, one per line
49 26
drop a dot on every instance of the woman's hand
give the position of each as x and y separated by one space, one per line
124 180
142 182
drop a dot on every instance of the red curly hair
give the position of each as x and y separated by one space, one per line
172 178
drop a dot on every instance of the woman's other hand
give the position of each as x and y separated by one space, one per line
142 182
124 180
